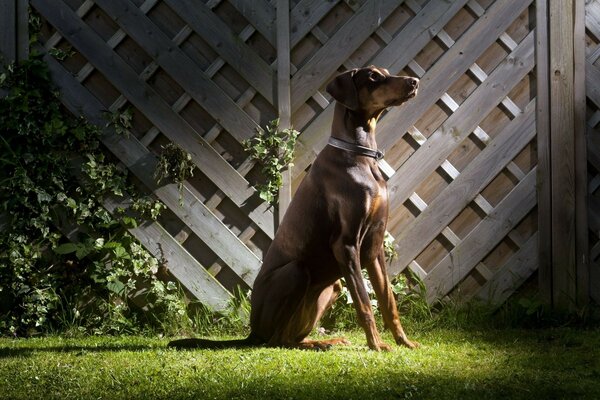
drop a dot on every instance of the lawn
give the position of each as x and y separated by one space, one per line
478 364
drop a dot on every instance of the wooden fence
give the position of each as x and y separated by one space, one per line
461 158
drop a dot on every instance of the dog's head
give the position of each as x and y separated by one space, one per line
372 89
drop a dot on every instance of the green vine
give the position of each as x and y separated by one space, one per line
176 164
65 261
273 149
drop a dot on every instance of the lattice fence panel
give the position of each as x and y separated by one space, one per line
460 158
592 23
198 75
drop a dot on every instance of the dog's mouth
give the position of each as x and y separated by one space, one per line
413 93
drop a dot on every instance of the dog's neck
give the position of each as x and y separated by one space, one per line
354 126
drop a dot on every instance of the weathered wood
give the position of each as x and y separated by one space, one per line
512 275
562 154
161 115
305 16
476 176
142 163
261 15
462 259
580 167
8 30
450 67
459 200
427 22
460 124
160 244
185 268
181 68
283 94
328 58
543 145
234 51
14 32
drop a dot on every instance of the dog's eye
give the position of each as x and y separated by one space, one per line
376 77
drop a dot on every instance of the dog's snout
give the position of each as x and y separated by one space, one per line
413 82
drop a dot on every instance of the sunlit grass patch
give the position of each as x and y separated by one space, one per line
549 363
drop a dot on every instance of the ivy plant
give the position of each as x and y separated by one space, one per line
176 164
273 149
64 259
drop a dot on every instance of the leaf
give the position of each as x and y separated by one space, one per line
116 287
66 248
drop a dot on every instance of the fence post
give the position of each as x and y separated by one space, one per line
283 93
14 33
563 270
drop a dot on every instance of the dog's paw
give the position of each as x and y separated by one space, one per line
408 343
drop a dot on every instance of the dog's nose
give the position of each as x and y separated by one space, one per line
413 82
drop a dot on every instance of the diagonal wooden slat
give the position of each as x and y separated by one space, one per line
305 16
145 98
487 234
462 122
512 275
592 83
450 67
261 15
328 58
475 177
237 53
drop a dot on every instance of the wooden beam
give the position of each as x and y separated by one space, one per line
564 261
581 220
14 32
283 93
543 150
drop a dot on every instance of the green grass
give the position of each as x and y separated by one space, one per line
478 364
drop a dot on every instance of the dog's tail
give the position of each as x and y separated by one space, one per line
197 343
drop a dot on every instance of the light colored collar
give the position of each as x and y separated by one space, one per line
355 148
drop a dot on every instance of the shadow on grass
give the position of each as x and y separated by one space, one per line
25 351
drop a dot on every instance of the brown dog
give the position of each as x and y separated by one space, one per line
334 226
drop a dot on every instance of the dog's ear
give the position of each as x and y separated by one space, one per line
343 90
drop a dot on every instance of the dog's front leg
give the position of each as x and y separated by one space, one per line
386 301
348 257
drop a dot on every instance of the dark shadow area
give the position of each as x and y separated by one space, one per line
24 351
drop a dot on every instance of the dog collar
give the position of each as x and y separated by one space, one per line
355 148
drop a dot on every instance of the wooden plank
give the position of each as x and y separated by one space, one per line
489 232
461 123
8 30
474 178
185 268
181 68
543 150
283 94
142 163
155 109
234 51
592 83
14 33
581 174
592 18
261 15
427 22
449 68
512 275
305 15
340 46
562 152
